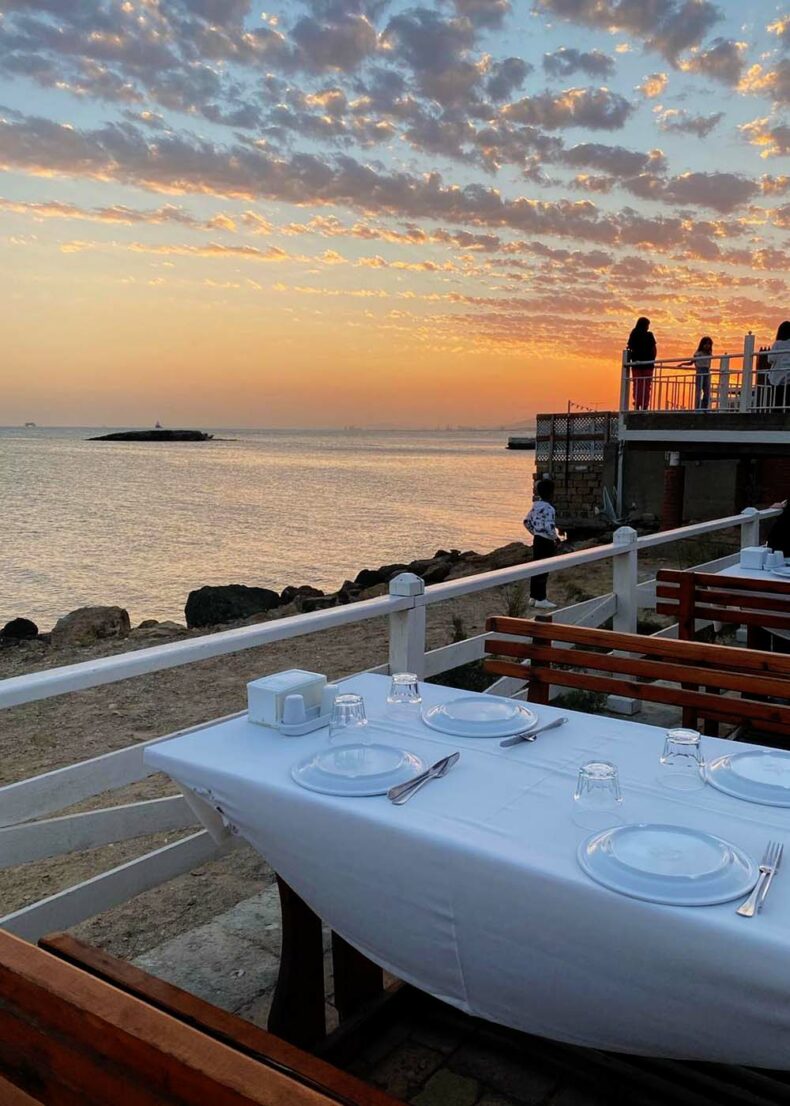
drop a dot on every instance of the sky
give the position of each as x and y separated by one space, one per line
370 212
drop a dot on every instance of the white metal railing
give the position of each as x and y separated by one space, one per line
23 840
737 382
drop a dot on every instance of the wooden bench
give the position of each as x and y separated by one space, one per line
759 605
81 1028
640 667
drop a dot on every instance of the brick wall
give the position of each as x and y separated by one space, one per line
578 488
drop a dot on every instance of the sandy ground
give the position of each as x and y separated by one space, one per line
39 737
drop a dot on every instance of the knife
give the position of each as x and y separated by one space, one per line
403 791
530 735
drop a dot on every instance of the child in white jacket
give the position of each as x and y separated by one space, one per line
541 523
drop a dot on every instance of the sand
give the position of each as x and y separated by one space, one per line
42 736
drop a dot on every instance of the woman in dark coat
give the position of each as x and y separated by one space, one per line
642 347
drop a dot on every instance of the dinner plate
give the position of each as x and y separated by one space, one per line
675 865
357 770
480 716
756 775
782 570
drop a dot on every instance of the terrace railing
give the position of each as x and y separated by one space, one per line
738 382
30 829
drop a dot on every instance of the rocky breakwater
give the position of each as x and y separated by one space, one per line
218 604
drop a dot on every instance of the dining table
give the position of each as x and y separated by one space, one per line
473 890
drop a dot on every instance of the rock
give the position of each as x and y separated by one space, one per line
156 629
89 624
147 623
19 629
316 602
369 578
210 605
432 570
437 571
287 595
386 572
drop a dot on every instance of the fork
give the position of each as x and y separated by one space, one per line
768 865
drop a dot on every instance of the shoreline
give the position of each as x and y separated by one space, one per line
443 564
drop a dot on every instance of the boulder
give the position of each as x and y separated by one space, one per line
438 570
289 594
432 569
348 592
316 602
89 624
156 630
369 578
19 629
386 572
210 605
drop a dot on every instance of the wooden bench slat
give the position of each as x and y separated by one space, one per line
115 1048
650 669
732 583
221 1025
728 655
708 706
728 599
11 1095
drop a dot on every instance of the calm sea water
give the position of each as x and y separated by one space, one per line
140 525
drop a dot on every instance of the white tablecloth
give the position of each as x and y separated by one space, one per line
472 891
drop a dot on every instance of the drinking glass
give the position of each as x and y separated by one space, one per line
597 800
404 688
681 761
348 724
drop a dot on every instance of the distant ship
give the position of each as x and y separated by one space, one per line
29 425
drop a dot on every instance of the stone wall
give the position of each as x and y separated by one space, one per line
578 489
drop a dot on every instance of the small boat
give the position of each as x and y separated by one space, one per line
29 425
157 425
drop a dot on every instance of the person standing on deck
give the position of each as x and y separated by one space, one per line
701 362
541 524
642 347
779 365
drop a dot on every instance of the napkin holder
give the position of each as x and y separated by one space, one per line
265 697
753 556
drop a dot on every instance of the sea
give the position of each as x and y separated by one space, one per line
142 524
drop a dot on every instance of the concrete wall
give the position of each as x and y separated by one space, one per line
712 487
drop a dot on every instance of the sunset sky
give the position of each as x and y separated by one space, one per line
325 212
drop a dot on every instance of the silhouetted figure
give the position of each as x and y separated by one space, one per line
642 347
779 365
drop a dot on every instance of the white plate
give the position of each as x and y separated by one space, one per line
756 775
480 716
667 864
781 570
357 770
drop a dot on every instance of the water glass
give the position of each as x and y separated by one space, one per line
404 688
597 800
681 761
348 724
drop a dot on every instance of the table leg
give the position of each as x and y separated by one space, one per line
357 979
297 1013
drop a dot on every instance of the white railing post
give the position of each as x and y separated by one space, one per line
748 367
624 579
750 527
723 397
624 381
407 628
